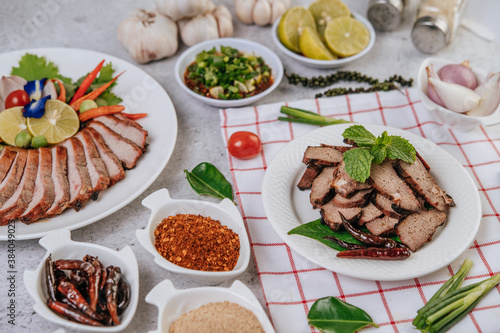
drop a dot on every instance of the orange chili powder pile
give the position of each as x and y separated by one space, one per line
197 242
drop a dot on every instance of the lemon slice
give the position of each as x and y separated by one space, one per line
291 26
12 123
346 36
59 122
326 10
312 46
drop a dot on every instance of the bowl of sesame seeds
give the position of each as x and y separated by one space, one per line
203 241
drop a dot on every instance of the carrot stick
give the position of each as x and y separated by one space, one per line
93 94
62 93
135 116
101 111
87 82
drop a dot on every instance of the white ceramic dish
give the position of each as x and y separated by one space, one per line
162 206
173 303
243 45
287 207
453 119
326 63
60 245
141 93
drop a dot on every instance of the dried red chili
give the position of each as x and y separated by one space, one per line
197 242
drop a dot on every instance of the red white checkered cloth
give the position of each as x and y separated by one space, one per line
291 283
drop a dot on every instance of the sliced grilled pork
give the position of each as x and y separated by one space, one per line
80 185
420 180
126 151
112 163
97 170
418 228
331 217
43 196
129 121
9 184
385 205
125 129
322 155
60 179
359 199
307 178
19 201
369 213
343 183
382 226
321 189
7 156
386 181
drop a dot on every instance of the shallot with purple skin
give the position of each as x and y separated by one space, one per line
460 74
490 96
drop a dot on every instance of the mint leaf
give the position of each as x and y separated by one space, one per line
32 67
360 135
379 152
383 139
401 148
358 162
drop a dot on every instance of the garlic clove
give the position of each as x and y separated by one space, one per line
490 97
224 21
216 91
198 29
179 9
244 10
278 8
262 12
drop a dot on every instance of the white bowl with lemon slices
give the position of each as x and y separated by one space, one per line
334 63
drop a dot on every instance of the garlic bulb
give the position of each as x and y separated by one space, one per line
148 35
260 12
178 9
216 24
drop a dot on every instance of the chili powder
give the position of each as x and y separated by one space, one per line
197 242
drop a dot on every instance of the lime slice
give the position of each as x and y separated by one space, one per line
59 122
326 10
291 26
12 123
346 36
312 46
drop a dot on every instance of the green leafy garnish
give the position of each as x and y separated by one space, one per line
206 179
32 67
373 149
331 315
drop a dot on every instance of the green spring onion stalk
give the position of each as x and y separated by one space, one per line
308 117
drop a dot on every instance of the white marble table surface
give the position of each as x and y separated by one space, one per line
92 25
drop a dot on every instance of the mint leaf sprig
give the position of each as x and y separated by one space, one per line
373 149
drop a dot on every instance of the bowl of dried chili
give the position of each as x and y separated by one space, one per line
228 72
203 241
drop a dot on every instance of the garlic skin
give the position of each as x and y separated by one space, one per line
9 84
260 12
490 97
148 35
216 24
179 9
224 21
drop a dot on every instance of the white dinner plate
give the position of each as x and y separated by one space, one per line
140 93
287 207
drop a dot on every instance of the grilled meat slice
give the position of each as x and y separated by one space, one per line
60 180
21 198
322 155
80 185
321 189
126 151
125 129
417 229
311 172
420 180
129 121
97 170
386 181
7 156
369 213
44 194
386 206
358 199
9 184
331 217
382 226
111 162
343 183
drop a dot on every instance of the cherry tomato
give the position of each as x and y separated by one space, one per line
244 145
17 98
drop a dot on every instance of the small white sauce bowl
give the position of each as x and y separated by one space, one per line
162 206
459 121
242 45
326 63
60 245
173 303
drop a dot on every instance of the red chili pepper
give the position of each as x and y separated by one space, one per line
396 253
101 111
93 94
135 116
366 238
70 313
111 292
87 82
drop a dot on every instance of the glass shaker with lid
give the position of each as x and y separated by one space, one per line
386 15
437 21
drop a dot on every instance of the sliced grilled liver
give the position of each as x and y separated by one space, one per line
417 229
307 178
331 217
382 226
358 199
321 189
369 213
322 155
346 186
